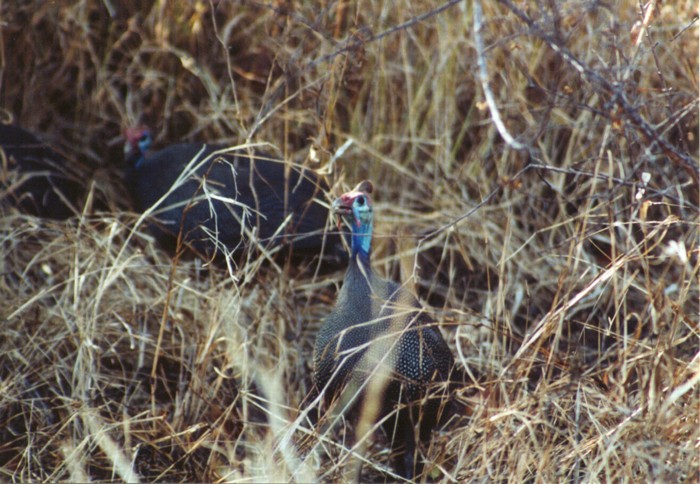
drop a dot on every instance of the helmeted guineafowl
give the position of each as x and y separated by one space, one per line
37 179
378 346
223 199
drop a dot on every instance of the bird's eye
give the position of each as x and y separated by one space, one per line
360 201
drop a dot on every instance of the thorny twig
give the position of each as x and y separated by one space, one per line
352 43
484 79
540 165
613 89
594 77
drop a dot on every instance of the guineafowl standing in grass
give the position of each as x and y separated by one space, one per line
37 179
379 348
223 199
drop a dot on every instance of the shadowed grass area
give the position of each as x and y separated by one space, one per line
565 273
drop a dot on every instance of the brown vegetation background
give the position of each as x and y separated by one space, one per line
565 272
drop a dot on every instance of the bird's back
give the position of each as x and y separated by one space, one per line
48 183
228 194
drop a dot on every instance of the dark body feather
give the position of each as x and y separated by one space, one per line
226 195
37 179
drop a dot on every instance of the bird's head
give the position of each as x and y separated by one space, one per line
355 207
137 142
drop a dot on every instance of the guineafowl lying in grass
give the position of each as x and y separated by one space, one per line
37 179
215 199
379 348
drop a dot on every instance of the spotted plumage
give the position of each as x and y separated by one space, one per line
378 330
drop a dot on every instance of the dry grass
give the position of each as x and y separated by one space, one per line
573 287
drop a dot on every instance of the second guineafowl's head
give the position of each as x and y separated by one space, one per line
138 141
355 207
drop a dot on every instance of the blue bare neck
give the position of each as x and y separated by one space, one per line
139 157
362 241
